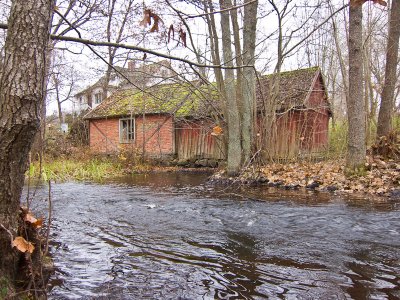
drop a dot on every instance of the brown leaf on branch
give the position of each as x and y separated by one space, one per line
147 16
29 217
23 245
171 30
182 36
38 223
156 20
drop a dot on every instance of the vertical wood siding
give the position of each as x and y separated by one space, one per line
194 140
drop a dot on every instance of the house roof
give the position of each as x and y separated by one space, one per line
185 99
294 87
140 75
179 99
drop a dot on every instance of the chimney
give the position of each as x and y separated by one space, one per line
131 65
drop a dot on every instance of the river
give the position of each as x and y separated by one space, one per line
171 236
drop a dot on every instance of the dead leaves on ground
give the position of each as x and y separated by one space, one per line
381 177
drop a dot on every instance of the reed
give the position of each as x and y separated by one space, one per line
96 169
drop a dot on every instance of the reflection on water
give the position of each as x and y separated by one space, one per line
169 236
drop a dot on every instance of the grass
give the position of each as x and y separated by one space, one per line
62 169
337 140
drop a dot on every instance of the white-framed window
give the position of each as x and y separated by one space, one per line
81 100
127 130
98 97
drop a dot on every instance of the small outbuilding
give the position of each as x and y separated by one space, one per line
302 113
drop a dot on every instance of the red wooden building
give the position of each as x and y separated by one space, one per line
302 113
173 120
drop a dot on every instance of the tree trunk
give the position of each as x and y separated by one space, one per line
234 145
249 79
356 148
21 101
392 55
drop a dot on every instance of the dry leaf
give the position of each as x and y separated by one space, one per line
182 37
171 30
146 18
156 20
30 218
22 245
216 131
38 223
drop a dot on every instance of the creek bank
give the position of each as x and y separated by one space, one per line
382 178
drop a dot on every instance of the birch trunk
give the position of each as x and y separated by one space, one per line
21 102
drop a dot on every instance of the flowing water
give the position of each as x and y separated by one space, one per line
170 236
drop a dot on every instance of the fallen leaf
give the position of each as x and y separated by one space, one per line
23 245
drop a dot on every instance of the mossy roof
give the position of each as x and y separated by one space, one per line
178 99
294 87
185 99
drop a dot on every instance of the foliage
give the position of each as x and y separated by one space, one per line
337 140
61 169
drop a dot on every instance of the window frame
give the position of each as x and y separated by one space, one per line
132 132
98 98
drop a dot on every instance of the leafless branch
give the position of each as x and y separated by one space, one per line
132 47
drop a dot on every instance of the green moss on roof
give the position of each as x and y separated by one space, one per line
185 99
179 99
294 87
311 70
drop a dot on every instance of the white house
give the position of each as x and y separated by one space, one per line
139 76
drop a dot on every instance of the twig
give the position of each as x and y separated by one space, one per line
49 222
9 232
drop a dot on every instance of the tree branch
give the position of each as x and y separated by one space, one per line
131 47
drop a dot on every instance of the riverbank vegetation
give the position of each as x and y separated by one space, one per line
324 172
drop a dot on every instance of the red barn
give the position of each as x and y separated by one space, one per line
302 113
171 120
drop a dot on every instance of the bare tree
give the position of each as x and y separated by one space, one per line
62 84
356 148
392 55
233 118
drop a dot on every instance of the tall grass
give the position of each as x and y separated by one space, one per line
337 140
70 169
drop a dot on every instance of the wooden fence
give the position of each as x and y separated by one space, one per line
196 142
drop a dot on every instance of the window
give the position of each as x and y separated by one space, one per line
126 130
98 97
